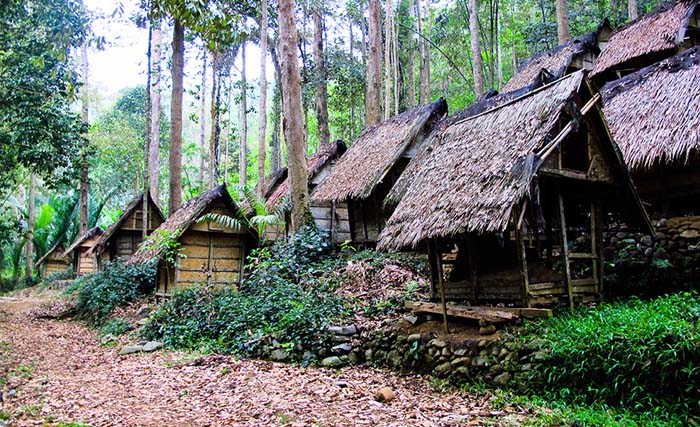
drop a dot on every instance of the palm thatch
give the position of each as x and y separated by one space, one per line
280 190
663 29
94 231
182 219
135 204
476 171
373 155
552 64
654 114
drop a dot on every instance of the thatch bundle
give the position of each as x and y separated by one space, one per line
475 174
367 161
660 30
316 163
654 114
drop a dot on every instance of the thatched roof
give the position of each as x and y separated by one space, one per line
135 203
58 247
654 114
475 174
182 219
316 163
552 64
94 231
661 30
373 155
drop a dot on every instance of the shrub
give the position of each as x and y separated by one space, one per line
99 293
642 355
116 327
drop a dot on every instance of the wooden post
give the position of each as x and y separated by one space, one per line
433 247
471 249
565 252
523 266
333 229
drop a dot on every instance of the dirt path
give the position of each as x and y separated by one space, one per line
57 371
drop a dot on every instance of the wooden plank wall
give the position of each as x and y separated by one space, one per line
53 265
334 218
86 263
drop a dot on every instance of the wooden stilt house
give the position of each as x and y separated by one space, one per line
660 34
83 261
578 54
53 261
654 116
509 203
329 216
211 251
366 172
122 239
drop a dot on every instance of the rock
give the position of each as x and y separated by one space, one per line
107 339
340 384
526 367
368 354
331 362
341 348
384 395
480 362
663 223
411 319
620 235
142 322
460 361
443 369
437 343
540 356
460 352
343 330
482 344
340 338
648 252
614 241
393 358
143 312
130 349
648 241
462 371
152 346
502 379
413 338
502 354
660 253
487 330
354 358
446 352
279 355
690 234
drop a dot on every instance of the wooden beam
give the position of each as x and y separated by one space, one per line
582 255
565 251
490 315
525 277
441 282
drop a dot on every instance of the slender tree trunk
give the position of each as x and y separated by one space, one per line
293 131
395 62
424 49
29 263
262 125
83 225
499 53
154 155
148 136
562 21
275 151
214 138
175 161
387 59
632 10
352 91
477 63
203 119
411 59
373 99
243 151
324 135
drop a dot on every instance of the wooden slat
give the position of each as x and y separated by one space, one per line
581 255
474 313
584 282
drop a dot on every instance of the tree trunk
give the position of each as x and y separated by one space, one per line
293 119
424 49
324 135
477 63
262 125
395 62
632 11
562 21
243 151
29 267
203 119
411 59
373 100
148 135
154 155
175 161
499 54
83 225
352 91
214 138
387 59
275 145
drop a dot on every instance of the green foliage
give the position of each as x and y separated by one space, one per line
285 297
101 292
57 276
640 355
116 327
165 241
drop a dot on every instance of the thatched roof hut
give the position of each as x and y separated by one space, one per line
54 260
83 261
577 54
501 178
654 116
650 38
210 252
123 237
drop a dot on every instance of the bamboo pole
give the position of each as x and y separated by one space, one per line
441 283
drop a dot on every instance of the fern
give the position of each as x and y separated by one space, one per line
223 220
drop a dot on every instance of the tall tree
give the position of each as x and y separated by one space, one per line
262 125
477 61
387 59
373 103
29 263
293 117
562 21
154 150
83 224
424 51
215 129
411 65
177 70
275 146
203 119
324 135
632 10
243 150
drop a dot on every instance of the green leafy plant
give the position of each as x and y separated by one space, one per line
164 241
116 327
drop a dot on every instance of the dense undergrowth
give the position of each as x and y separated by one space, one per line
643 356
